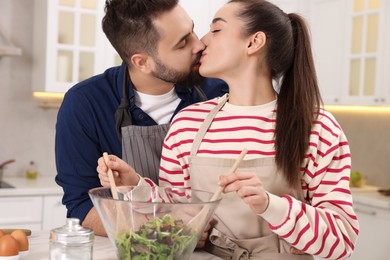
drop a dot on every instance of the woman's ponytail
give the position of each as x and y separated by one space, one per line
299 101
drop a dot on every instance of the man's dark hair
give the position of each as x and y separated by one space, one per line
128 25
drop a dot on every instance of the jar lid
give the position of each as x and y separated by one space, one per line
72 233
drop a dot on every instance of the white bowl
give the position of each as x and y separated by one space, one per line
23 254
14 257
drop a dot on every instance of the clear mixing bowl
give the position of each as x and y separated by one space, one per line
154 222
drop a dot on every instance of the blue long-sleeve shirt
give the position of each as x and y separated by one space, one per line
86 128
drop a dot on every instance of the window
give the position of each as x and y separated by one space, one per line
364 54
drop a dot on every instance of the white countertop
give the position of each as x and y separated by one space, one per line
369 195
102 248
22 186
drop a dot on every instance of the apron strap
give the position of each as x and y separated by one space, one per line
206 125
122 114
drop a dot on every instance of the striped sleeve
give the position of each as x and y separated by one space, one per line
326 224
171 171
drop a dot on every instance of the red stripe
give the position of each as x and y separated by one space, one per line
229 152
340 169
192 109
170 172
238 140
342 255
181 130
167 159
330 119
326 234
348 242
350 224
150 182
228 118
288 214
325 141
316 227
241 128
181 184
344 178
190 119
187 141
343 156
330 220
335 202
346 191
300 234
328 129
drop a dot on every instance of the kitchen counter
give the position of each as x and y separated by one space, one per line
102 248
43 185
369 195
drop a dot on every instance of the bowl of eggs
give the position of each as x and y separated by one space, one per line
13 245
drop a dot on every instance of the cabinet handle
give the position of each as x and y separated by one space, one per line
376 100
368 212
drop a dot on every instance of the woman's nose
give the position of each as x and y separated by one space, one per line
205 39
199 46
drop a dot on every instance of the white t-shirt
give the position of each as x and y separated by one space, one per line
158 107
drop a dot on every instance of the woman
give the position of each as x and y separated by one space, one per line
292 189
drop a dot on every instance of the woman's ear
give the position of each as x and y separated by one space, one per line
141 61
256 42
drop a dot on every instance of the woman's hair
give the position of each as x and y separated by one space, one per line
128 25
289 58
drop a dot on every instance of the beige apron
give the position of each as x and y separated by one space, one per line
239 233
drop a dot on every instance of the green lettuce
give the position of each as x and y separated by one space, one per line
158 239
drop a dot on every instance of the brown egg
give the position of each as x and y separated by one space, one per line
8 246
22 239
1 233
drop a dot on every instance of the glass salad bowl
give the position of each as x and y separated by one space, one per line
154 222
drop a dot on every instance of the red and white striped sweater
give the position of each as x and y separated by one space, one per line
326 224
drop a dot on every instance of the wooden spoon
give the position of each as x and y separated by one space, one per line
114 191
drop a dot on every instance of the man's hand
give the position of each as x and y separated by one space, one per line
124 174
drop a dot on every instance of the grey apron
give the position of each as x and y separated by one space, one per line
239 233
141 145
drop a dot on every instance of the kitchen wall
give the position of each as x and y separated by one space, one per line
27 131
368 134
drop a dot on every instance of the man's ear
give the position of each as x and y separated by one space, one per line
256 42
141 61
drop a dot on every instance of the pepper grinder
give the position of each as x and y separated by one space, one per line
71 242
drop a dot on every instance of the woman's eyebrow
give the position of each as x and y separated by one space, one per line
218 19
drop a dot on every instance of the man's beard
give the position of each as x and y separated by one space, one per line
174 76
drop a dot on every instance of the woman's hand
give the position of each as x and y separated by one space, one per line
249 187
124 174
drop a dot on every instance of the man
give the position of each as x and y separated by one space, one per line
160 51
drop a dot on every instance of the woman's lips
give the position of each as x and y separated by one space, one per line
202 57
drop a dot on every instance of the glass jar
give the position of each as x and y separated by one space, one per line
71 242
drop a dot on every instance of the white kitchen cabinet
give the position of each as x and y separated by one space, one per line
374 234
69 43
328 26
32 212
350 46
21 212
54 213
